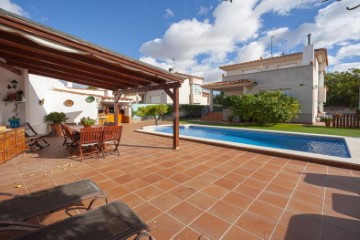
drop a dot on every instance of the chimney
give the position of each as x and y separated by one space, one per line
309 39
171 70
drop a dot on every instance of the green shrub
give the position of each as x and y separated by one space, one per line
56 117
87 121
266 107
155 111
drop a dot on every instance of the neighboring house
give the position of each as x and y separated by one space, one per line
190 92
300 75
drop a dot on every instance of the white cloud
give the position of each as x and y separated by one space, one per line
343 67
237 31
333 24
252 51
169 13
12 7
204 10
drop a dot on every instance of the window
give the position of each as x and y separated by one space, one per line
155 99
196 89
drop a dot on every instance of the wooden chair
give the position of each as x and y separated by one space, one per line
33 139
109 124
71 139
111 138
90 140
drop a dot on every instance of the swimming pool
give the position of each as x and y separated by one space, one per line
332 146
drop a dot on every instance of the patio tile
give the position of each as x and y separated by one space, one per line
273 199
165 201
166 184
135 185
188 233
149 192
282 232
256 224
308 224
226 211
132 200
123 178
247 190
180 177
215 191
238 200
236 233
147 212
228 184
153 178
266 210
182 192
301 207
201 200
276 189
262 196
185 212
164 227
117 192
211 226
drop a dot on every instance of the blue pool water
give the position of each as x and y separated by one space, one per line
313 144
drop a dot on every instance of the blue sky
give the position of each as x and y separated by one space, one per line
198 36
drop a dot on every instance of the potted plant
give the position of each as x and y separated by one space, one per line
87 121
56 118
14 122
326 120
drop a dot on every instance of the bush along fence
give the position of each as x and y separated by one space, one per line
346 121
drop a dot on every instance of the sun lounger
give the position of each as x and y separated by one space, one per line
113 221
22 207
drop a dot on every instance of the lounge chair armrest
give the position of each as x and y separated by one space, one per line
18 226
9 194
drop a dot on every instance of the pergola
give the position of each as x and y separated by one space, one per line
47 52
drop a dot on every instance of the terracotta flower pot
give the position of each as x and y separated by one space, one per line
56 129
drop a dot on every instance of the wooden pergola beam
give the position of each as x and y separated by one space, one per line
30 54
74 72
19 45
10 68
150 88
62 38
17 59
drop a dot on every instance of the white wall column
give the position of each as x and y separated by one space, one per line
211 100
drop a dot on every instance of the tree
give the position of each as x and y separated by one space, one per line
155 111
343 88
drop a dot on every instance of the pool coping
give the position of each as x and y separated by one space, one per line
352 144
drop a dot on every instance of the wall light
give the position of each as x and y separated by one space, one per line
13 84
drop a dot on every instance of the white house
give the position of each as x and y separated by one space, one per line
43 95
190 92
300 75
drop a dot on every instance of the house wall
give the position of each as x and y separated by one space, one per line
42 88
7 110
185 95
295 81
279 64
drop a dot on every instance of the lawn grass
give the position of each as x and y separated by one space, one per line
288 127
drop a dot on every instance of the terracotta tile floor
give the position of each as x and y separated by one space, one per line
203 191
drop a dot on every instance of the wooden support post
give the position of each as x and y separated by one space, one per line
174 95
116 108
176 118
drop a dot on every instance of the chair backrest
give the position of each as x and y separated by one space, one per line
109 124
112 133
29 130
91 135
67 132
